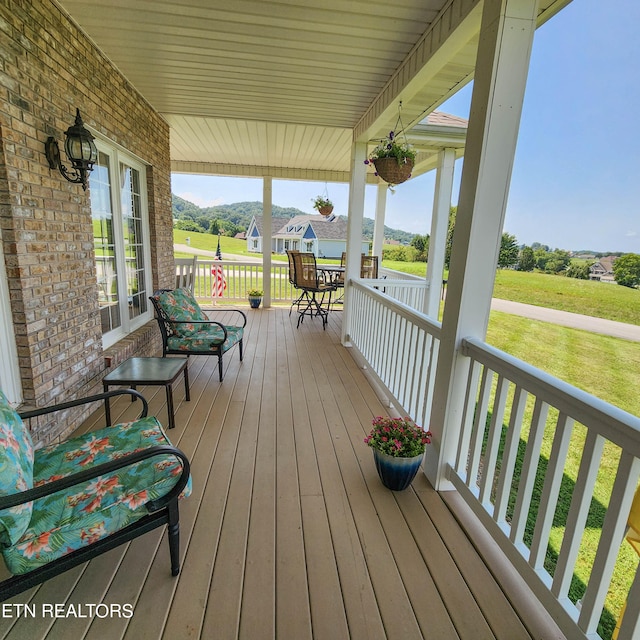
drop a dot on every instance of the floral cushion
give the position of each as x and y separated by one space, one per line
206 339
16 471
180 306
78 516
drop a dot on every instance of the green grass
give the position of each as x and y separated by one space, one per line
591 298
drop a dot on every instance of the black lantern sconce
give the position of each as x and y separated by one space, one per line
81 151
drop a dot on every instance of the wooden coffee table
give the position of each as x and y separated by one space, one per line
149 371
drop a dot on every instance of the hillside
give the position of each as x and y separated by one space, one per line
236 217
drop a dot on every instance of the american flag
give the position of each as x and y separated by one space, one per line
219 282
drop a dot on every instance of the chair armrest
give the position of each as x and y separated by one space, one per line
171 323
81 401
230 310
22 497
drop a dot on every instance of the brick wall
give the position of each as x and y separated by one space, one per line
47 69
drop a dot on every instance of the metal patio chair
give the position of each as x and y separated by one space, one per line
309 282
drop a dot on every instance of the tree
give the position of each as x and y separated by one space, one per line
188 225
580 271
421 244
452 224
626 270
508 256
558 261
526 259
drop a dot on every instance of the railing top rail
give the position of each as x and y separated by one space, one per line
367 285
401 275
618 426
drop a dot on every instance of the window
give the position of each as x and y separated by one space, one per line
121 241
9 369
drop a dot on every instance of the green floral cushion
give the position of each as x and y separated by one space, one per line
179 305
16 471
85 513
206 339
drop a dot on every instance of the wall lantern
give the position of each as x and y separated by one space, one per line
81 151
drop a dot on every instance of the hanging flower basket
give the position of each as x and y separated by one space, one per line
392 171
323 205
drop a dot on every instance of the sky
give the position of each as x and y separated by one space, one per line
576 176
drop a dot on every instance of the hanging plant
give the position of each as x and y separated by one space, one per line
393 158
323 205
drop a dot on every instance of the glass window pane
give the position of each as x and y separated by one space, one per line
104 244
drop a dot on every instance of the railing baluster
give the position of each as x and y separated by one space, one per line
528 474
610 539
493 441
550 491
509 455
479 428
578 512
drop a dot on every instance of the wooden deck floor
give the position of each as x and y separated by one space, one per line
289 533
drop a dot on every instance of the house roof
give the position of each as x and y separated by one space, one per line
283 88
324 228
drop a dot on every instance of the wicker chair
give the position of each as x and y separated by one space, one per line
307 280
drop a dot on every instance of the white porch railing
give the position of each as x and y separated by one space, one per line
240 277
519 429
400 346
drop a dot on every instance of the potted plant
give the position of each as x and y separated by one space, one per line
398 448
323 205
255 297
393 159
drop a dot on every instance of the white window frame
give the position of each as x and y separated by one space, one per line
118 155
9 366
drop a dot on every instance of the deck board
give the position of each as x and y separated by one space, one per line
288 533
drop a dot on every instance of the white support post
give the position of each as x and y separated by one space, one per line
504 50
378 226
439 225
267 235
354 228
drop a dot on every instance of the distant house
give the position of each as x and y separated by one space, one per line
325 237
603 270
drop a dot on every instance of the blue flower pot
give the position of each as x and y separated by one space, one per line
396 473
254 302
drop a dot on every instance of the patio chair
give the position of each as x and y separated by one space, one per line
369 267
186 269
308 281
68 502
292 279
187 330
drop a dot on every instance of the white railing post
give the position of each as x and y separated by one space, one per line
354 228
267 193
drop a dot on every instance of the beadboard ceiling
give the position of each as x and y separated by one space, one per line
282 88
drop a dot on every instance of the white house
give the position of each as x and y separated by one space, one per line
325 237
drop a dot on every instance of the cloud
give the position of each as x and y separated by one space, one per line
200 201
631 234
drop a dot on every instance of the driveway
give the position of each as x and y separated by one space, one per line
567 319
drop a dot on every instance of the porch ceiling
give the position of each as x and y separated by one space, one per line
282 88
